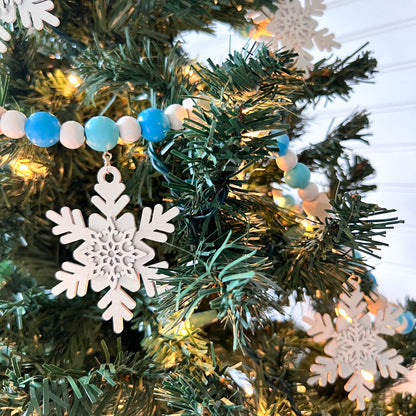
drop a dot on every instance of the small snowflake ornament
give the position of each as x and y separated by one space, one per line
32 13
113 254
293 27
355 349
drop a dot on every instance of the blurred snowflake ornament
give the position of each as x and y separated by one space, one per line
294 28
355 349
113 254
32 13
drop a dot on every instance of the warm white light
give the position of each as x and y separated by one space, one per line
248 391
74 80
367 376
341 312
300 388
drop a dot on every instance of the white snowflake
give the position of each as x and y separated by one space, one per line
113 254
293 27
355 349
32 13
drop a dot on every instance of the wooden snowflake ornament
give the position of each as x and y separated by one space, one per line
32 14
355 350
113 254
293 27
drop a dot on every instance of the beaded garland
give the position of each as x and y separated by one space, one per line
297 175
102 134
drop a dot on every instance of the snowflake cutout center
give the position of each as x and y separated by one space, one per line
356 345
112 252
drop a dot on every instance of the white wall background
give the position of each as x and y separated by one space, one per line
390 28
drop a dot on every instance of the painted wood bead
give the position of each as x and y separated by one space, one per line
287 162
317 208
12 124
101 133
154 124
129 128
42 129
298 177
71 135
309 193
176 114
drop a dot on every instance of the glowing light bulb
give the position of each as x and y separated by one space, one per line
341 312
248 391
74 80
367 376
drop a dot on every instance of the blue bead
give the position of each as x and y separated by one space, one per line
42 129
101 133
154 123
298 177
283 142
372 277
408 319
286 201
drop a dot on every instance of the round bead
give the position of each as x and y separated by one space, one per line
309 193
373 279
317 208
407 323
287 162
298 177
71 135
101 133
130 130
283 142
285 201
2 111
154 123
12 124
42 129
176 114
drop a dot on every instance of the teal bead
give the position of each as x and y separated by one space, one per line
285 201
298 177
101 133
42 129
407 323
154 123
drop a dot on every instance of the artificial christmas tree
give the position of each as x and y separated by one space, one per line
209 335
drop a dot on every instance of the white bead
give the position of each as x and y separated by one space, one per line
317 207
71 135
287 162
309 193
130 130
176 114
2 111
12 124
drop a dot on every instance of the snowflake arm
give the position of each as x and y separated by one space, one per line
4 35
315 7
35 12
388 363
109 201
154 227
325 369
322 327
70 224
324 41
359 390
32 13
386 320
353 304
74 280
119 305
